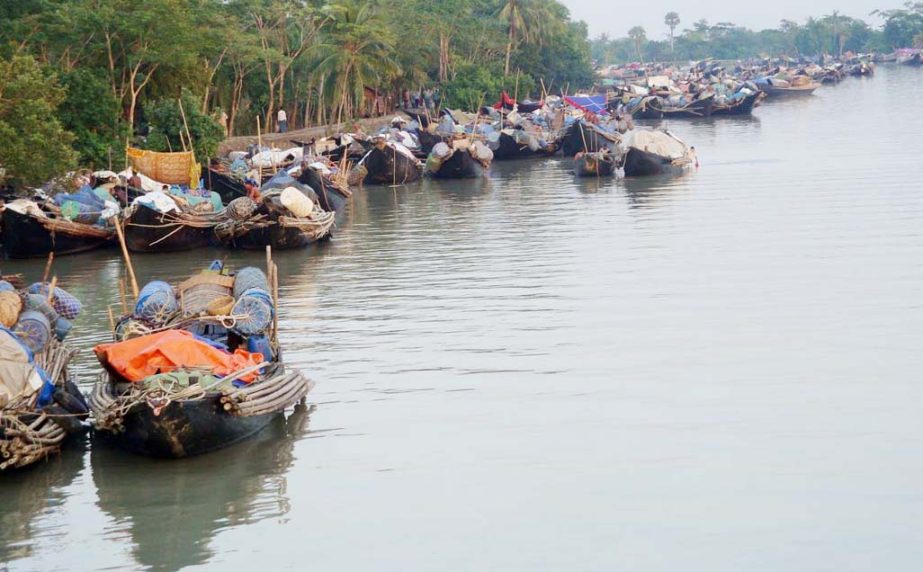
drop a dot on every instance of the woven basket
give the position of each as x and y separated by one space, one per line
221 306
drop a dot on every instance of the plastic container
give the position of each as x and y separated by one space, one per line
34 329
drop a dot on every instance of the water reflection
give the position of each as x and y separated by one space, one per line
28 495
172 509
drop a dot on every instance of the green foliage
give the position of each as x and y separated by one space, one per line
901 26
168 131
476 85
92 113
33 144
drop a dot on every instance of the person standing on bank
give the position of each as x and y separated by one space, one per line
282 119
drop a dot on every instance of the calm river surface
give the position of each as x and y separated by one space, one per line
716 372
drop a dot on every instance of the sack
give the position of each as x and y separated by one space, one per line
156 302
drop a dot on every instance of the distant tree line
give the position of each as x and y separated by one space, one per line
833 34
114 70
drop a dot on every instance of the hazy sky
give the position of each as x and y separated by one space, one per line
616 18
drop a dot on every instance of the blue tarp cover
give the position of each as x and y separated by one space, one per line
593 103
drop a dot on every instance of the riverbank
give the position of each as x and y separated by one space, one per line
368 125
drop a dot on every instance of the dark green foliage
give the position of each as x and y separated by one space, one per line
168 132
93 115
33 145
476 85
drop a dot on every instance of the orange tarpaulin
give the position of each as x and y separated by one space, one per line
138 358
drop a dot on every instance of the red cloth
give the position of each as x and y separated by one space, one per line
163 352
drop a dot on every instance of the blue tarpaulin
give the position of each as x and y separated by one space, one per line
593 103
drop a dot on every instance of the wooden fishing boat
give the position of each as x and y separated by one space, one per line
910 58
650 153
742 106
428 140
331 195
148 230
654 108
598 164
465 160
27 235
281 232
31 432
386 164
774 91
579 137
508 148
190 408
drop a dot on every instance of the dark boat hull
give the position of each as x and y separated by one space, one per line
577 139
26 237
147 230
227 186
279 238
743 107
185 429
428 141
591 166
508 149
330 198
461 165
640 163
696 109
388 166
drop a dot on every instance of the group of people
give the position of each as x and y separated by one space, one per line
429 98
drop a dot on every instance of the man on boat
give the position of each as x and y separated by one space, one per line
253 190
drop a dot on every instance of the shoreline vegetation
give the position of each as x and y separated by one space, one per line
80 80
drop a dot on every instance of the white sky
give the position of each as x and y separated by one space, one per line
616 17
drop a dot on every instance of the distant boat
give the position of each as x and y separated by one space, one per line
781 88
910 57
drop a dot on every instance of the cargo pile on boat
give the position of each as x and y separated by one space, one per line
195 366
40 404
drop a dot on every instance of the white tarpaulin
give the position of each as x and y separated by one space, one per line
657 142
18 377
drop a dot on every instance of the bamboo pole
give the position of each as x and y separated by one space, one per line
123 296
48 267
131 270
54 284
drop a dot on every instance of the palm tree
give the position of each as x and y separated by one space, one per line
357 51
671 20
528 20
638 36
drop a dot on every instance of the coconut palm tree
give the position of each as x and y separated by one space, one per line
671 20
357 51
527 20
638 36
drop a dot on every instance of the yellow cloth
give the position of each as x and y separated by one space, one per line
170 168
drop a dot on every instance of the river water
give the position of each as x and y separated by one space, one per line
714 372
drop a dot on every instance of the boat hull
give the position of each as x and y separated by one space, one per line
185 429
330 198
577 139
742 107
461 165
25 237
640 163
387 166
508 149
147 230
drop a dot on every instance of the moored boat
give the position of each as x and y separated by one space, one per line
459 159
195 367
29 232
652 152
150 230
738 106
40 405
389 163
580 136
